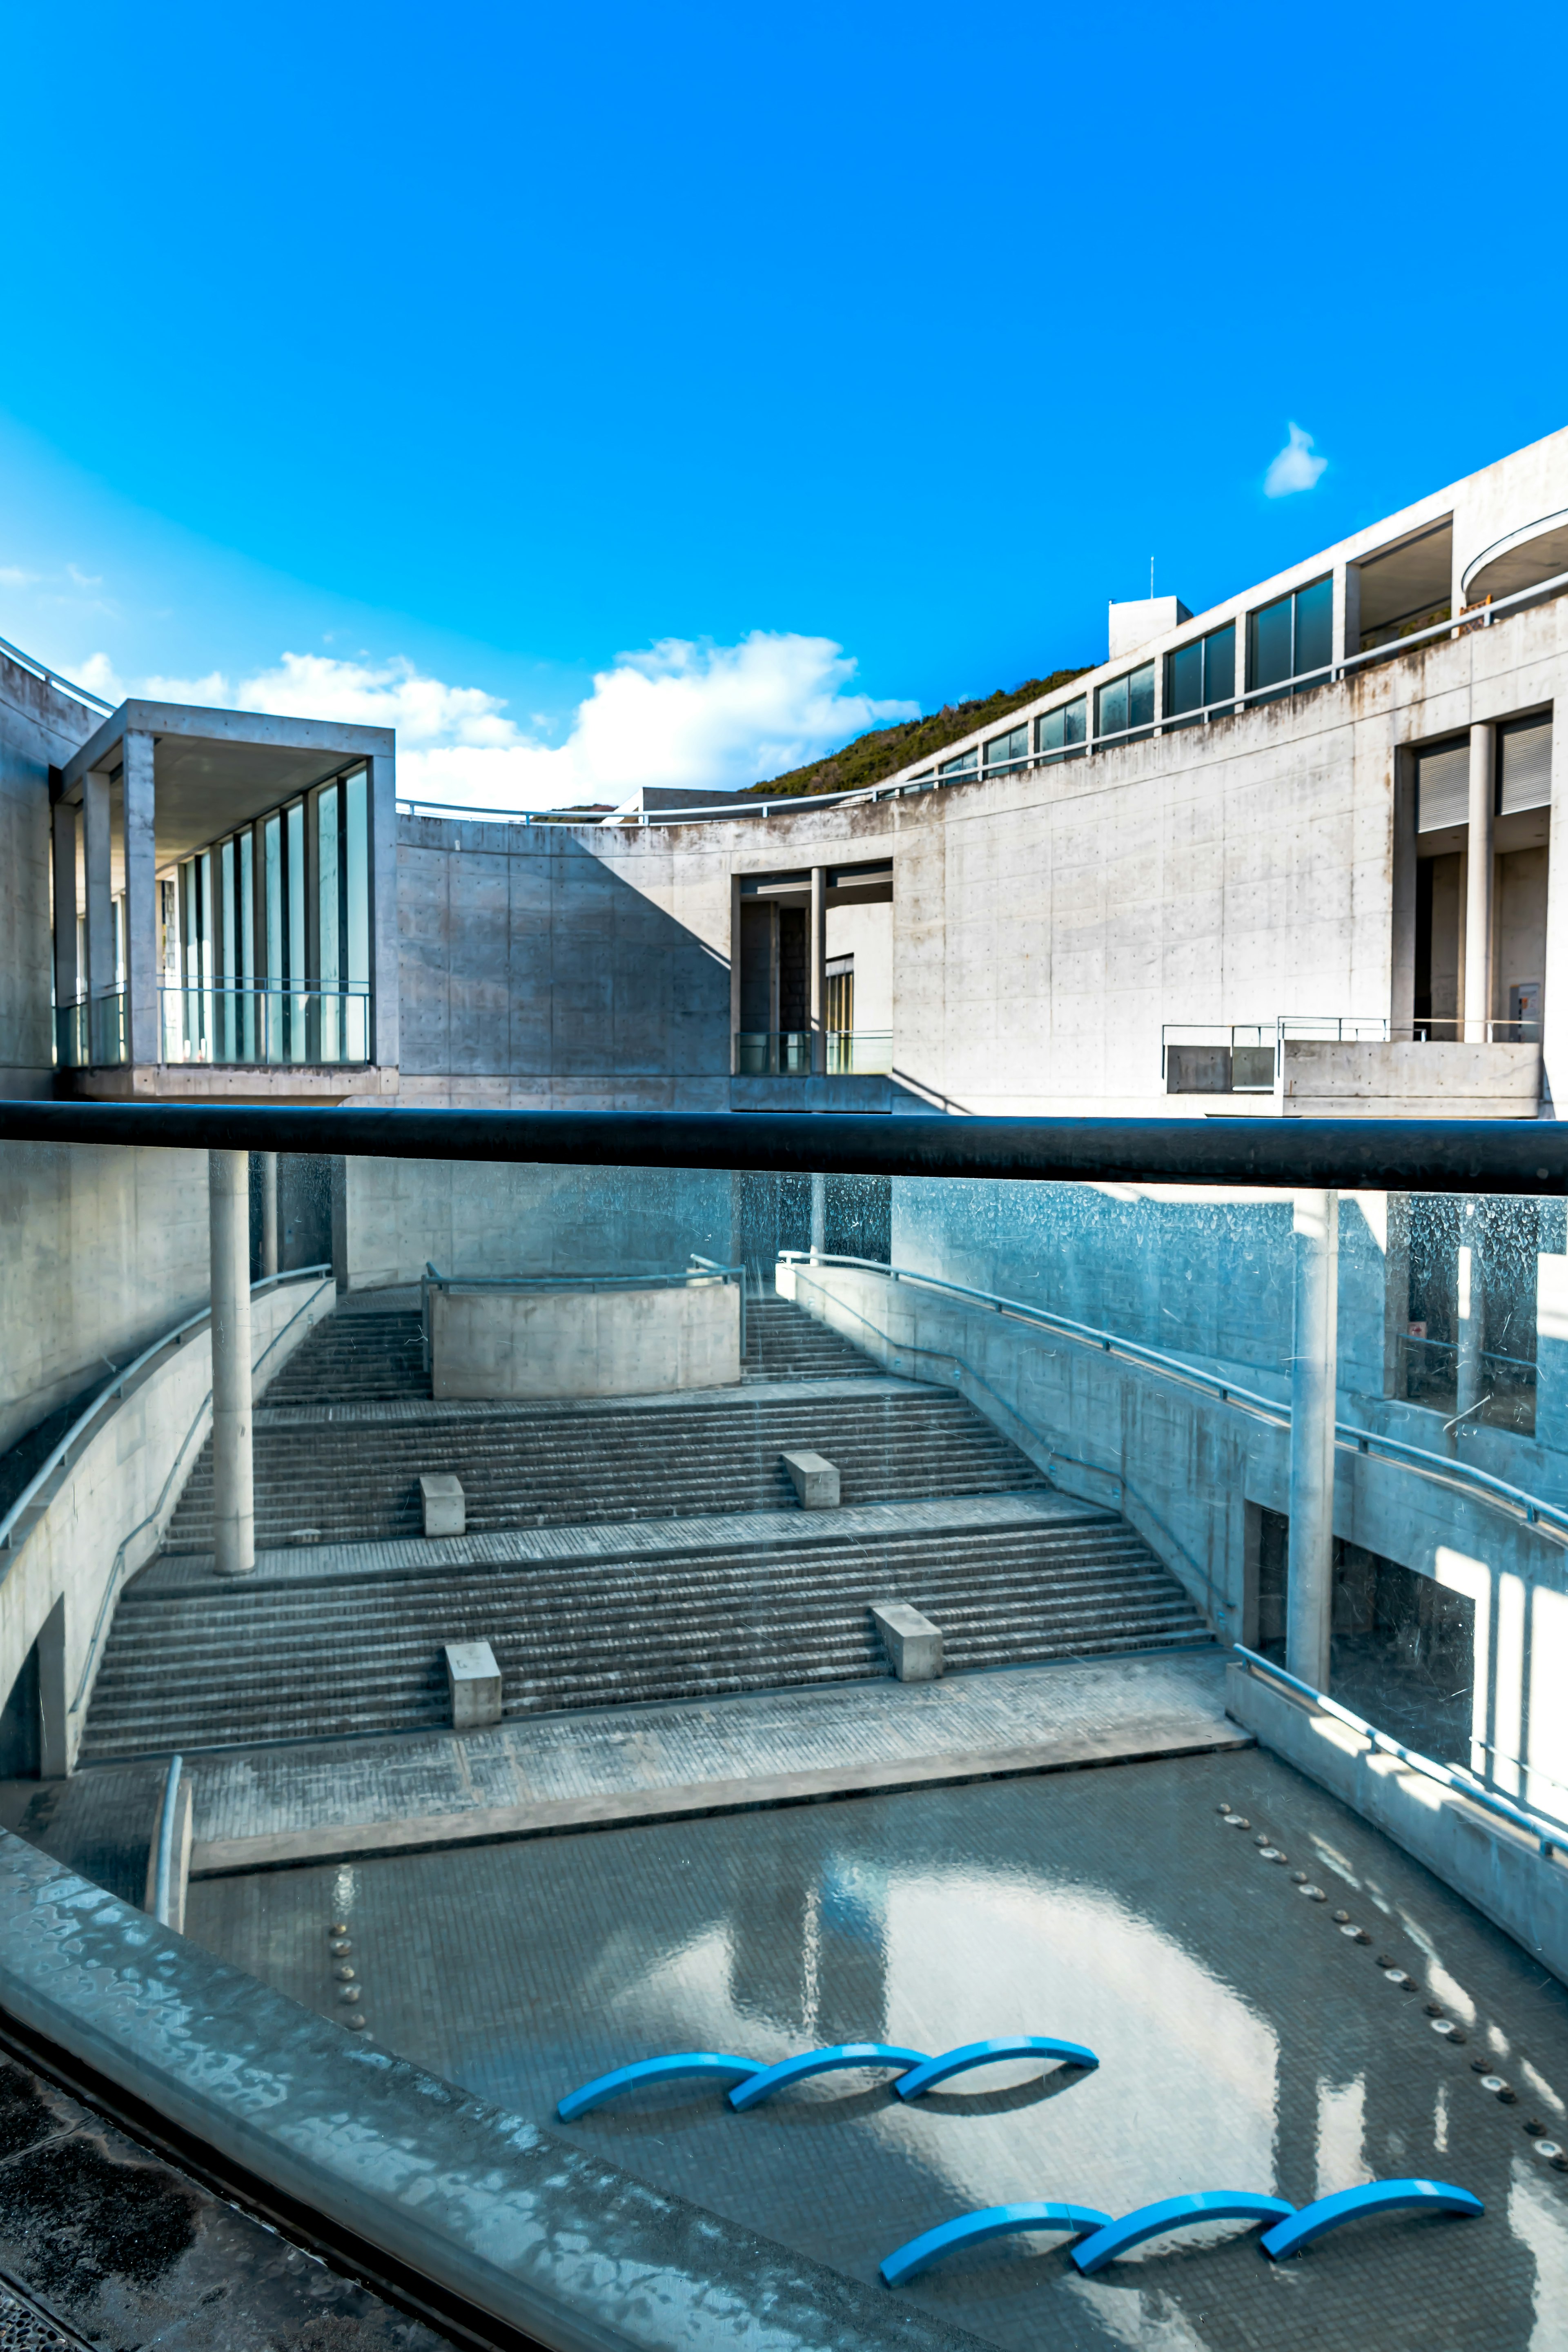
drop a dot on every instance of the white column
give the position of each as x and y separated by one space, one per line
817 952
141 1023
1470 1302
1310 1580
100 909
68 980
268 1172
1477 1006
818 1215
234 1518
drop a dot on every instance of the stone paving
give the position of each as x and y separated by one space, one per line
1247 2038
342 1798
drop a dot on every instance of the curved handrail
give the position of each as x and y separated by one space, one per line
974 2229
1551 1838
1465 1477
163 1864
52 676
1373 2197
681 2065
832 2060
949 2062
1175 2213
116 1388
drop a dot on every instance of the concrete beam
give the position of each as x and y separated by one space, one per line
332 738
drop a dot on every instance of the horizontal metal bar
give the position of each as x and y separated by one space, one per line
1400 1155
1548 1835
41 669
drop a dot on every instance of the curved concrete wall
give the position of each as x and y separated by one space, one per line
105 1512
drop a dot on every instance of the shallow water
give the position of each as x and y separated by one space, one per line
1245 2042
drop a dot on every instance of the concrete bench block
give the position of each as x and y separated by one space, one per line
473 1678
912 1643
445 1511
815 1481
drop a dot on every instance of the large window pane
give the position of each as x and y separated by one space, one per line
1140 696
1219 664
1006 750
1270 632
1184 679
1058 730
1110 708
1314 626
965 764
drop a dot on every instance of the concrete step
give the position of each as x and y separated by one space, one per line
222 1665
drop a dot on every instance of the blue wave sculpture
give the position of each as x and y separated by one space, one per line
680 2065
1176 2213
974 2228
985 2053
763 2084
1373 2197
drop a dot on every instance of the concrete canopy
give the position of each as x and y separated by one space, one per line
216 770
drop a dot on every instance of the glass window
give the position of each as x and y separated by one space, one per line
966 764
1009 751
1125 703
273 863
1201 674
1291 637
1060 729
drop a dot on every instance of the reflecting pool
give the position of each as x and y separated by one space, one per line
1247 2038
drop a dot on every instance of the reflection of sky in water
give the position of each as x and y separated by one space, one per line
1244 2043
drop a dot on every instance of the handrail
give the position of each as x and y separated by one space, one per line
1550 1519
117 1386
1549 1836
1052 1451
41 669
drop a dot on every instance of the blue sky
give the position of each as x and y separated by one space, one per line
778 371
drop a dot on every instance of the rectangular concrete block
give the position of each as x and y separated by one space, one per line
445 1509
814 1479
473 1678
912 1643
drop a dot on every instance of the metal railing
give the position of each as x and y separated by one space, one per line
787 1053
90 1031
264 1021
1551 1837
1550 1519
52 677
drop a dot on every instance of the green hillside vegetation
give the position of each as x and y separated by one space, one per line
872 757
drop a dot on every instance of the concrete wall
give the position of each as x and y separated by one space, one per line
1186 1468
101 1249
108 1510
1498 1868
467 1218
576 1343
40 727
1441 1078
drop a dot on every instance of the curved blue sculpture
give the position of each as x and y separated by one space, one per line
985 2053
1371 2197
1176 2213
769 2079
676 2068
974 2228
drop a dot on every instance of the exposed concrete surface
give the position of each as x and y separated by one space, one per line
271 1807
1439 1079
473 1679
512 2217
814 1480
912 1643
582 1343
441 1497
1498 1868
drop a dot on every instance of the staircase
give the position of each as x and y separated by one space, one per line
601 1614
211 1666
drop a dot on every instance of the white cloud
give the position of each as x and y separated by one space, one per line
13 576
1295 469
711 717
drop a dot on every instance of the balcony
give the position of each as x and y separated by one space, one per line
1354 1067
787 1053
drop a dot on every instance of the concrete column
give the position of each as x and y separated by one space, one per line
266 1168
100 907
234 1517
1469 1301
816 951
67 980
1477 1007
1310 1582
818 1215
384 940
142 975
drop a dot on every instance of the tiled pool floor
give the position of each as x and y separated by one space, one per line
1246 2043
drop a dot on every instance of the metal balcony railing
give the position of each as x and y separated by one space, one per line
787 1053
265 1022
89 1031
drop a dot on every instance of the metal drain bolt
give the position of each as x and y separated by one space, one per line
1299 1877
339 1928
1480 2065
344 1973
1341 1919
1535 2129
348 1993
1434 2008
341 1945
